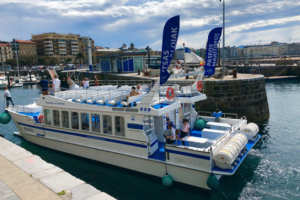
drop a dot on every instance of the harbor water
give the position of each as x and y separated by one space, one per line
271 171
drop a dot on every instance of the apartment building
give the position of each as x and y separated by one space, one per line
61 46
5 51
24 48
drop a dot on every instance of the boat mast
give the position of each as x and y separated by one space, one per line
17 58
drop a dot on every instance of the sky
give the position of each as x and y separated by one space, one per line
110 23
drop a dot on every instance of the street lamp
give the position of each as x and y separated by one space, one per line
223 72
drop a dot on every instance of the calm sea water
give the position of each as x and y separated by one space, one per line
271 171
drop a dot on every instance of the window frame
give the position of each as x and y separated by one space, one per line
61 119
71 127
112 123
53 124
100 128
115 125
44 113
89 117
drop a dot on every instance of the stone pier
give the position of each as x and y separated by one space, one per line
245 95
28 177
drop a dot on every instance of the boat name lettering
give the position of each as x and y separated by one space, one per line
55 103
28 129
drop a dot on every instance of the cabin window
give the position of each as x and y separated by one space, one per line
47 116
96 123
56 120
85 122
75 120
107 124
65 119
120 126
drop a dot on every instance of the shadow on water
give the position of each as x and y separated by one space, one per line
270 171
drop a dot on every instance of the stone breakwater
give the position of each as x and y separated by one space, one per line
243 96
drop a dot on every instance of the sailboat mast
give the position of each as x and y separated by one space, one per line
17 58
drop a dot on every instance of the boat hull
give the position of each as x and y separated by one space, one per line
148 166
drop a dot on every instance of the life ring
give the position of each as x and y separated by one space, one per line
170 93
41 119
199 86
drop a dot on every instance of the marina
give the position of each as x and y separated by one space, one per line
178 117
257 181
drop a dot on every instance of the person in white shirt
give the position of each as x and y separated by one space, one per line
170 135
85 83
138 89
8 97
56 84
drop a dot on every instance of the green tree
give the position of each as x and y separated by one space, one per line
68 60
53 61
11 62
25 61
41 61
80 56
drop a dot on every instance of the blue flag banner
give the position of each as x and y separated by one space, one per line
212 51
170 36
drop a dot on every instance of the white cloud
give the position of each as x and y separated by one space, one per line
110 22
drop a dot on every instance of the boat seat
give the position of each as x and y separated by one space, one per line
109 97
118 98
84 97
133 99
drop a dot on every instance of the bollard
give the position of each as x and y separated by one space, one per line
253 71
139 72
234 73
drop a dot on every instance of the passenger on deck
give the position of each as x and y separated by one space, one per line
138 89
85 83
185 129
71 83
132 93
217 114
170 135
177 131
168 119
56 84
51 91
64 85
44 85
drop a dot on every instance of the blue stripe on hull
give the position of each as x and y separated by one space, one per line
88 136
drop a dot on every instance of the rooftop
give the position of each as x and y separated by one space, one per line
4 45
25 42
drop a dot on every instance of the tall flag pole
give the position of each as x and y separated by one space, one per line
184 56
170 36
212 51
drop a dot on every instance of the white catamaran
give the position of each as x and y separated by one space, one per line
97 124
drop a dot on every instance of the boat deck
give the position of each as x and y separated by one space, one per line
249 146
160 152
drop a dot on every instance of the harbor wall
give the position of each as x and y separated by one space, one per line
268 71
245 97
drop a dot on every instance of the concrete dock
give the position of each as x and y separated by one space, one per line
26 176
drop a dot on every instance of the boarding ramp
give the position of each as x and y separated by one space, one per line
52 73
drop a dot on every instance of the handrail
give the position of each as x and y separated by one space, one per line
205 112
236 116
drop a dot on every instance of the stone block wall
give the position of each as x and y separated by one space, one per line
245 97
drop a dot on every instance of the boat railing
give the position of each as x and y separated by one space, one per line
230 114
220 139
